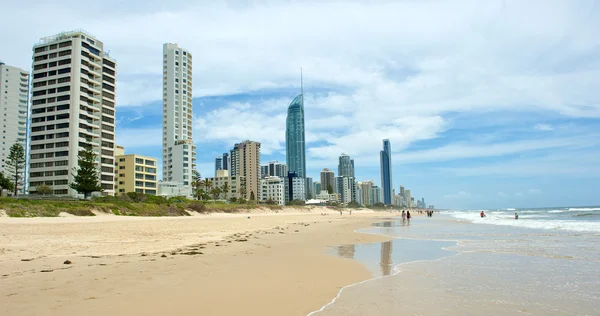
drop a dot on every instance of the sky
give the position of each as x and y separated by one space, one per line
487 104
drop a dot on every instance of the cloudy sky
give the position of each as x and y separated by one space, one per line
488 104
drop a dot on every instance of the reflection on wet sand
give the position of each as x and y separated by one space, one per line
385 259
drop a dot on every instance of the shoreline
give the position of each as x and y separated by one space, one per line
273 264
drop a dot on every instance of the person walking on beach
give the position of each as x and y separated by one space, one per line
408 216
403 216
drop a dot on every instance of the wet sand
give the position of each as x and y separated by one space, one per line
270 264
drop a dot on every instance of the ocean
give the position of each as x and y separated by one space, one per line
456 263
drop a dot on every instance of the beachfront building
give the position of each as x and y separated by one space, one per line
386 171
274 169
135 173
273 190
14 100
324 195
295 187
366 192
245 162
72 104
344 187
230 185
376 195
178 149
169 189
345 166
327 180
225 161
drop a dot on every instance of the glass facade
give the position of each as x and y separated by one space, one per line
386 171
294 138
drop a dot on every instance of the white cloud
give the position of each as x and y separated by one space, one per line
534 191
458 195
543 127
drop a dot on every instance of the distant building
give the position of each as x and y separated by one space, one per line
367 192
408 199
232 184
273 189
274 169
324 195
386 172
218 164
309 188
173 188
294 137
346 166
245 162
376 195
295 187
327 179
345 189
225 161
316 187
14 100
135 173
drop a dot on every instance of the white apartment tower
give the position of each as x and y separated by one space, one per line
179 152
14 100
72 103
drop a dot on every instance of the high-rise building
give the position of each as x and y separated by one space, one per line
327 180
72 104
295 187
225 161
344 187
294 137
274 169
346 166
135 173
367 194
245 162
218 164
14 100
386 171
316 188
179 151
376 195
407 198
309 188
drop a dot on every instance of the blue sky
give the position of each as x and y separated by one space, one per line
488 104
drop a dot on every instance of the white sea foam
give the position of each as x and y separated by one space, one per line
493 219
574 209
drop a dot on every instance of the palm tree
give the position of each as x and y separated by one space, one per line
196 183
207 185
243 191
215 192
225 189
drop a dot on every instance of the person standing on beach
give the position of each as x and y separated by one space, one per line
516 215
403 216
408 216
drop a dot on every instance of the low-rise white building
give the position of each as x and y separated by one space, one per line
324 195
174 188
272 189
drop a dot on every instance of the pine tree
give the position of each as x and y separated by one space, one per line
86 179
15 165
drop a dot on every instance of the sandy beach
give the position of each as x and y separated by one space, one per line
219 264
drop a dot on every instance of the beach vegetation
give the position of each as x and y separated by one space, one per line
86 178
5 183
15 165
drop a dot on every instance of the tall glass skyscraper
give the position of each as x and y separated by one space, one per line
294 137
386 171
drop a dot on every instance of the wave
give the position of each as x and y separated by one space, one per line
586 214
584 209
571 225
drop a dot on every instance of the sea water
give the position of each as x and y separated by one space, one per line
457 263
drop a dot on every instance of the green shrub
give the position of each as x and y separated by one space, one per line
198 207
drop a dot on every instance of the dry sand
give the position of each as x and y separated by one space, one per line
220 264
